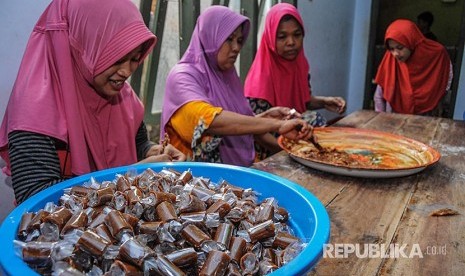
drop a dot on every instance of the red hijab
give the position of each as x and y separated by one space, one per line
72 42
272 78
417 85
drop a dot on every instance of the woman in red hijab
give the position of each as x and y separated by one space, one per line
414 74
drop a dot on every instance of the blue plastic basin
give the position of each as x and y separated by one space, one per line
308 217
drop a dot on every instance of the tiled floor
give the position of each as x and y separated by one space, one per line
6 194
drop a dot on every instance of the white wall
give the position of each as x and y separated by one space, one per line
359 53
17 19
459 112
330 45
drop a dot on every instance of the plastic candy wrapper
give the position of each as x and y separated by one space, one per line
157 223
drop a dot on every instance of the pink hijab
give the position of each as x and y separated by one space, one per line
273 78
72 42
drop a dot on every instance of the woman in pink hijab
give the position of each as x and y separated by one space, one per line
279 75
72 93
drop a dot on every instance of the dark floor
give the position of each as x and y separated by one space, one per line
6 194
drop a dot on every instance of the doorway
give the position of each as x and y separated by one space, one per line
448 26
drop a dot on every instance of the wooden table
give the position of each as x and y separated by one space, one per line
375 212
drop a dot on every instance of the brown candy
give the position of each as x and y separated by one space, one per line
159 197
283 215
59 217
166 267
37 253
134 195
132 220
201 182
268 254
126 268
103 231
266 267
237 248
37 220
92 243
183 257
193 235
228 187
265 212
203 194
249 263
283 239
100 197
233 269
223 234
166 212
99 219
278 260
123 184
190 204
185 177
73 201
80 191
77 221
151 203
216 264
120 200
26 219
134 252
221 207
117 224
150 228
262 231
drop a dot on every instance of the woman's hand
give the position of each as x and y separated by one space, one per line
335 104
158 153
296 129
280 113
174 153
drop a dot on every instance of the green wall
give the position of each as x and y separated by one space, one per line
447 17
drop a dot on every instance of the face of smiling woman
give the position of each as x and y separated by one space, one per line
111 81
230 49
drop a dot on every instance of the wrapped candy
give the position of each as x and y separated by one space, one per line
23 231
168 223
216 264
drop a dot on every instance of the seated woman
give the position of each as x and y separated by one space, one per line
71 96
205 112
279 75
415 72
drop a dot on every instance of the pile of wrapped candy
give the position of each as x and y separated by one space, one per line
157 223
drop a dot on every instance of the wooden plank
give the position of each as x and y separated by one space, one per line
370 211
323 185
442 187
158 27
387 211
356 119
189 11
136 78
249 8
396 210
366 212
